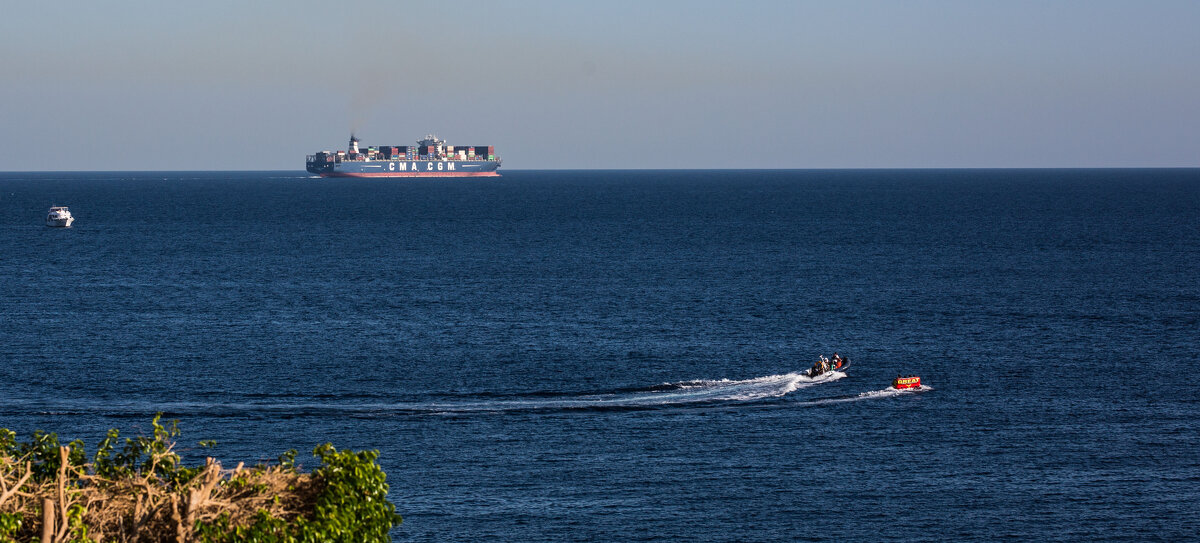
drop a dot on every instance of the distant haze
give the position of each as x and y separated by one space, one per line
224 85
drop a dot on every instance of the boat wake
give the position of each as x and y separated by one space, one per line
665 395
723 390
888 392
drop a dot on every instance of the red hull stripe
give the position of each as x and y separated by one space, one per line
414 174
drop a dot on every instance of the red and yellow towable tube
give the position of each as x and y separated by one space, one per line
906 382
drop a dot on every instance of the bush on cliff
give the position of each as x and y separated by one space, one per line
137 489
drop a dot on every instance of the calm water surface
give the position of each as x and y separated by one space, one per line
616 355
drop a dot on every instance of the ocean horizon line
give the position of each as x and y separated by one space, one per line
304 173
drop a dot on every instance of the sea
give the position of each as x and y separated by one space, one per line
621 355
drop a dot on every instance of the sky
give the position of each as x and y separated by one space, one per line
612 84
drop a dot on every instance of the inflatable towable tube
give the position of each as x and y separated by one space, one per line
906 382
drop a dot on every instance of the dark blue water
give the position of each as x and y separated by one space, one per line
615 356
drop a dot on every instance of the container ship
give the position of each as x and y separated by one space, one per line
430 157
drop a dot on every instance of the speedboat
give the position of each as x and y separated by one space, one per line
826 365
901 383
59 216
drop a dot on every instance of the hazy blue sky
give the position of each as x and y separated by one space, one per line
603 84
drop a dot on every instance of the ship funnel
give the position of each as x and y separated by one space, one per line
353 144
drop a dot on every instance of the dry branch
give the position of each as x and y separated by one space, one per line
141 509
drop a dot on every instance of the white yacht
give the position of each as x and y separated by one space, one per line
59 216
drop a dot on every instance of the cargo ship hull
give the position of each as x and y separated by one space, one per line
407 168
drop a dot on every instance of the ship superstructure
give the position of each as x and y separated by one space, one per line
430 157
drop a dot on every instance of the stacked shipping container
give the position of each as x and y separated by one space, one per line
413 153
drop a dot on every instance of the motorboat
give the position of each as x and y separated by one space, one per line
59 216
825 365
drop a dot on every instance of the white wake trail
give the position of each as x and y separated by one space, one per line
870 395
770 386
683 393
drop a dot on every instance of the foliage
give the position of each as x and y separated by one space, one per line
42 450
147 456
351 507
138 489
10 523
